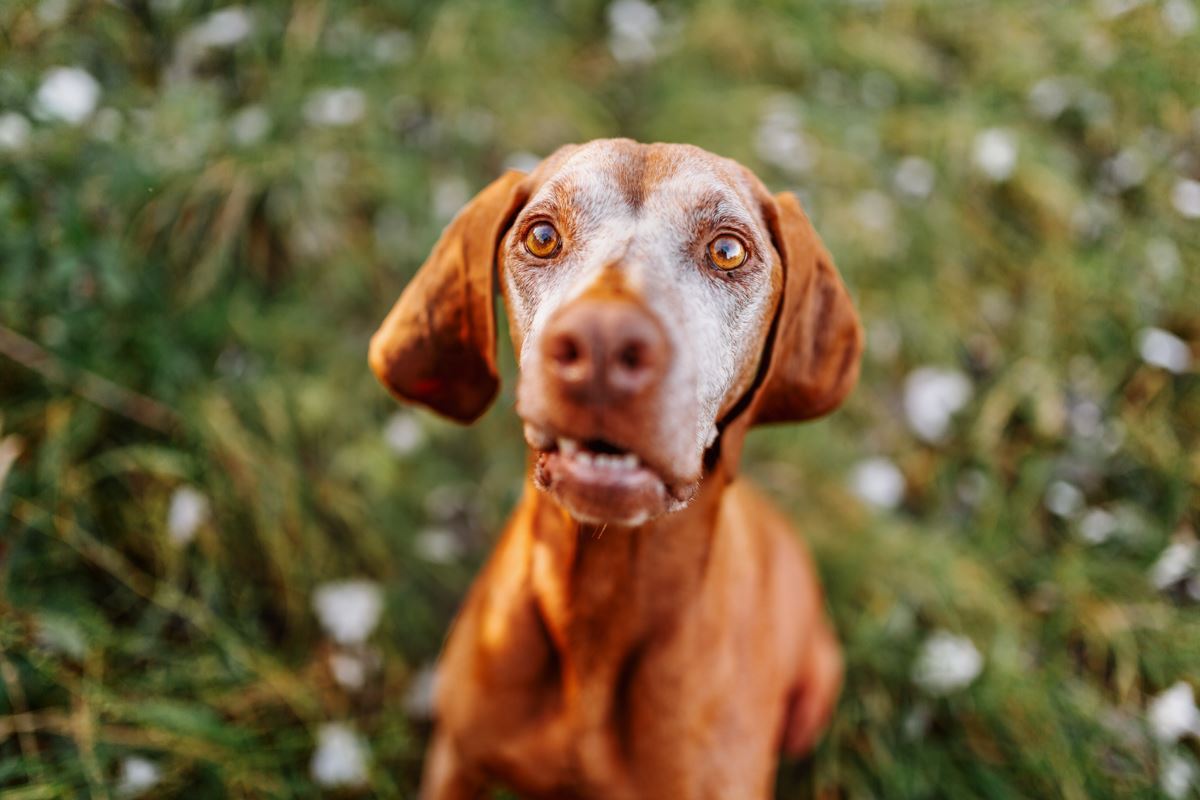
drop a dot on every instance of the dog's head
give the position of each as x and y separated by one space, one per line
660 301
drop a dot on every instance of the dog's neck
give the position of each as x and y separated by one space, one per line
603 590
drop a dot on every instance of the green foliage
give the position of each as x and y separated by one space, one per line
190 274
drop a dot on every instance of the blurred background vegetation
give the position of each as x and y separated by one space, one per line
226 558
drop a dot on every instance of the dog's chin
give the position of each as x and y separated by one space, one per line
603 484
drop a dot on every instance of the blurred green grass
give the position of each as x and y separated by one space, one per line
223 226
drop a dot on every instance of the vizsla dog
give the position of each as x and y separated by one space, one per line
648 625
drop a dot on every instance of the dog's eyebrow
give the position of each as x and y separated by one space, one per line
714 209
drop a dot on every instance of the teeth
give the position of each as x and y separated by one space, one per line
568 447
629 461
584 457
712 437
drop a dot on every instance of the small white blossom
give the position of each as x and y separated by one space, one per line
874 211
138 775
14 131
437 545
780 138
1097 526
995 153
340 759
878 481
1164 349
1177 776
403 433
250 125
349 669
1127 168
1173 714
422 690
69 94
335 107
522 160
634 30
348 610
392 47
914 177
1174 564
1180 16
946 663
449 195
1051 96
1063 499
222 28
1185 196
53 12
1162 255
188 510
932 396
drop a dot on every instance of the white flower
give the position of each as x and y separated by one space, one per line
1176 776
250 125
437 545
914 177
348 610
1174 564
1063 499
780 139
10 448
874 211
189 509
392 47
349 669
634 28
932 396
403 433
878 481
53 12
1179 16
340 758
1097 525
422 690
1049 97
995 153
1161 348
67 93
1173 714
137 776
335 107
1162 255
14 131
1127 168
1185 196
522 160
449 195
223 28
946 663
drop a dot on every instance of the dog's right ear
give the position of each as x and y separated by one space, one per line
437 346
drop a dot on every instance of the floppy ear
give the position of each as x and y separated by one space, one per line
437 346
817 344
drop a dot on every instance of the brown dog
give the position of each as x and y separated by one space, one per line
648 626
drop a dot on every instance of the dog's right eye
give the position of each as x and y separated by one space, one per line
542 240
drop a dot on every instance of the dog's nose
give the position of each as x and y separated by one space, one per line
604 350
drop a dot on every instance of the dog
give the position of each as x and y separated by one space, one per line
648 625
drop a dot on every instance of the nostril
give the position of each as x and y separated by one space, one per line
632 356
565 351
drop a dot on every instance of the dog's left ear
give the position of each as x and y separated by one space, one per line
817 343
437 346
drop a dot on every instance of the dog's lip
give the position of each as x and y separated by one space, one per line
601 461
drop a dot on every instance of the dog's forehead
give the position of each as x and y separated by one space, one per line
620 175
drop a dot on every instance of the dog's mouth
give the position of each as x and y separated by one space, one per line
600 481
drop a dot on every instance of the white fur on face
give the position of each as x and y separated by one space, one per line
715 322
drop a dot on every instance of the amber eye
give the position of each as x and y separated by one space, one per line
542 240
726 252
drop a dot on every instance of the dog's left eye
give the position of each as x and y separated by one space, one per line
726 252
542 240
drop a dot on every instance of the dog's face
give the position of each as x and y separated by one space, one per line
655 293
